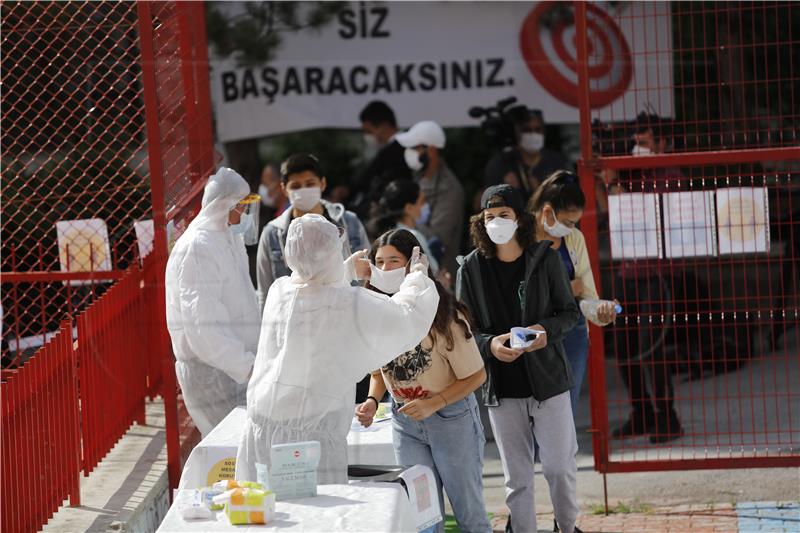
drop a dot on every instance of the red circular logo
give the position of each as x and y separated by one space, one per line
551 55
296 454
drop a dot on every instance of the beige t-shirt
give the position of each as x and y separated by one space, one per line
430 368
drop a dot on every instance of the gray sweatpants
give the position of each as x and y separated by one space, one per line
514 423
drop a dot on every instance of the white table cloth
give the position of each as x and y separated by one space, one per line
216 454
372 445
375 507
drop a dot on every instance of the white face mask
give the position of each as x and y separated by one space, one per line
387 281
371 141
305 199
412 159
557 230
501 230
266 199
641 150
531 142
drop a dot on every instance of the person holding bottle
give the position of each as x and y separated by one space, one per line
557 205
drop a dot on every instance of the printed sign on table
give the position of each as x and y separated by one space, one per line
635 225
83 246
689 224
743 215
293 473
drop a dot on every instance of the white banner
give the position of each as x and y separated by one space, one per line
435 60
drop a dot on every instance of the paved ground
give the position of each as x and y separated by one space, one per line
726 518
694 500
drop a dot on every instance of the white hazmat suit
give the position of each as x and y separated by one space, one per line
318 338
213 315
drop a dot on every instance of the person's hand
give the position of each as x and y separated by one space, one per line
360 262
421 409
577 287
501 352
541 339
419 262
365 412
606 312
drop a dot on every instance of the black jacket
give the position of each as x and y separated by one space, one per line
389 164
548 301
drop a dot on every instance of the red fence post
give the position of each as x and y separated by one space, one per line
74 456
589 227
161 340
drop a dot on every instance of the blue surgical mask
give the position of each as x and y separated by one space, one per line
424 215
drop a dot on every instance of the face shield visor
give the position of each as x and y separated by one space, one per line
248 208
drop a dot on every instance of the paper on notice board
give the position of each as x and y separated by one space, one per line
743 215
635 225
689 225
83 246
145 233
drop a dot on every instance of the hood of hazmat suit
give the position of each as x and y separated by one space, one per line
212 308
319 336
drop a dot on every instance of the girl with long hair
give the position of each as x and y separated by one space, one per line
435 415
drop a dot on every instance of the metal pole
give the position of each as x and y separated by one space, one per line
162 343
597 379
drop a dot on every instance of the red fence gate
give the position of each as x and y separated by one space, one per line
699 240
106 135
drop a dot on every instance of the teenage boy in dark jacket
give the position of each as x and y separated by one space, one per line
511 280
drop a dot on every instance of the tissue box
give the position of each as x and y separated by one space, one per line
248 506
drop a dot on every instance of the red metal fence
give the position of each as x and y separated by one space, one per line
699 240
181 153
106 127
70 403
41 459
74 165
113 357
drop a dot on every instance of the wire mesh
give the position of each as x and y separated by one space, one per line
709 336
719 75
74 163
700 241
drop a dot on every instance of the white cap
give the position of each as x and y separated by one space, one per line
426 132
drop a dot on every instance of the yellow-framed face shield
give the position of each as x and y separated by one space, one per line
249 208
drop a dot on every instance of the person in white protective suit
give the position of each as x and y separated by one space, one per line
212 308
319 336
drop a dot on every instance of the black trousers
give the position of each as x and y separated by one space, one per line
640 344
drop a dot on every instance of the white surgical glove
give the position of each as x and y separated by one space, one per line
419 262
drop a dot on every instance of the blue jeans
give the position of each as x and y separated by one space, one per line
576 346
450 442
